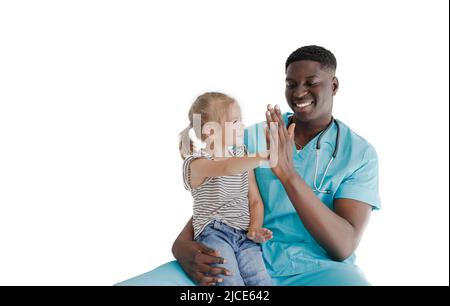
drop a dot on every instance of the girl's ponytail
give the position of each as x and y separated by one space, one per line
185 145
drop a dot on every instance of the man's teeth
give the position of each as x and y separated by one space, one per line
303 104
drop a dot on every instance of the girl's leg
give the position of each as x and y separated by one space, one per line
219 241
251 264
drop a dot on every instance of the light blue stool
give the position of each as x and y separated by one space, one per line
334 274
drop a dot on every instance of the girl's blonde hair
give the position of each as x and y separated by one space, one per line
211 107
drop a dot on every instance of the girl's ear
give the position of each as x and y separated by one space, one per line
335 85
206 130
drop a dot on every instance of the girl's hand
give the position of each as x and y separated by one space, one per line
281 156
259 235
196 259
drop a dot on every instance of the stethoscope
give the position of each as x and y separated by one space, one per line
333 156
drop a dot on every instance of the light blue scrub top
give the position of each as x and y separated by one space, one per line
353 174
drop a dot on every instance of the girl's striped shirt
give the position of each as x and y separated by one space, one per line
223 198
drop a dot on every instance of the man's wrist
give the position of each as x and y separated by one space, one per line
288 176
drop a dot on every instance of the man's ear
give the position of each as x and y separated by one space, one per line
335 85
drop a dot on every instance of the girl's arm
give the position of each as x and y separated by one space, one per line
203 167
255 230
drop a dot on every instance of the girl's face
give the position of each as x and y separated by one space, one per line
233 128
229 132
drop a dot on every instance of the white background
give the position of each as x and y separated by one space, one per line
94 93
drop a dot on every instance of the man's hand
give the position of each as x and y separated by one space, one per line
196 259
276 134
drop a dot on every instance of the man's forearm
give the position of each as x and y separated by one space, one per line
334 233
187 234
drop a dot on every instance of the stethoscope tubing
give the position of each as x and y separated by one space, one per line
333 156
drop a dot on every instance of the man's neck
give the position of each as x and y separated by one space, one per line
305 131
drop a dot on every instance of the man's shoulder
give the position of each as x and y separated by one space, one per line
353 142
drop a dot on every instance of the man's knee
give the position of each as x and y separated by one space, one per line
341 275
336 274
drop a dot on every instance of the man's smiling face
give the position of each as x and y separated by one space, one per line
310 89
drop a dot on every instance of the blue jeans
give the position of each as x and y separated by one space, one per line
244 256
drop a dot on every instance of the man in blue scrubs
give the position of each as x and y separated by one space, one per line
318 198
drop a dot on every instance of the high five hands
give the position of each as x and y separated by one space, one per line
280 143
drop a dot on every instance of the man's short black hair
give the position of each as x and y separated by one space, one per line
313 53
